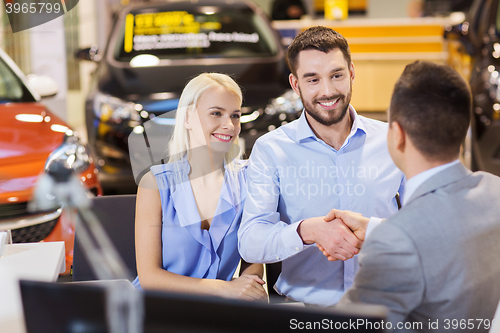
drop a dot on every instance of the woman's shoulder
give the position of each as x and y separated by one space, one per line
169 176
169 169
148 181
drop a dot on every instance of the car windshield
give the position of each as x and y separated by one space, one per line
201 32
11 87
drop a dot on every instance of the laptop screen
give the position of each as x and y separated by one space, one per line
74 307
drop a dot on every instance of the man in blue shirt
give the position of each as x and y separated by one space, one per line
329 158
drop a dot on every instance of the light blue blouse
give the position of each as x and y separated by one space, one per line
186 248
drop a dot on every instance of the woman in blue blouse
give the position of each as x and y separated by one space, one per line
189 210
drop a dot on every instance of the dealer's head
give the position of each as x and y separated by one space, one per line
429 115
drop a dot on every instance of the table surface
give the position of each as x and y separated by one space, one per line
28 261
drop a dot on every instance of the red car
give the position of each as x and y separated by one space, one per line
31 138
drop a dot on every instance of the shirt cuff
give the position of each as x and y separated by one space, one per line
374 221
291 240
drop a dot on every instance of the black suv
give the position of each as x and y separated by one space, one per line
156 47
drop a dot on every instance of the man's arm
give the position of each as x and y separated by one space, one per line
263 238
390 273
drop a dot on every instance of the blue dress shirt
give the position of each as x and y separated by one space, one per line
187 249
293 175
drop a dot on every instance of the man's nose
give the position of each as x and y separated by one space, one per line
328 88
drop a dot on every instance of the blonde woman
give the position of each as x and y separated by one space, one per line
189 210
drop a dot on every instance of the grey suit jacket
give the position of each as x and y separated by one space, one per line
438 258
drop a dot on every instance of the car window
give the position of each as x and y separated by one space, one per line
11 89
181 34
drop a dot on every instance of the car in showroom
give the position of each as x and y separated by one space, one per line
31 140
474 49
155 47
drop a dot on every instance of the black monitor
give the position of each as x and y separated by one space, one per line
59 307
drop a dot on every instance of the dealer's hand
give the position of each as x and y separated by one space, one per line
335 238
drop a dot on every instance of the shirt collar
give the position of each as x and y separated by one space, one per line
414 182
304 131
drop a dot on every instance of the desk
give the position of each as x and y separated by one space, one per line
29 261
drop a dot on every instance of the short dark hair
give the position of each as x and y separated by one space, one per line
432 103
316 38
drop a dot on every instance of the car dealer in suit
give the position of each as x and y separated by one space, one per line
435 264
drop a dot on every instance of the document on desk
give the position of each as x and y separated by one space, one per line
29 261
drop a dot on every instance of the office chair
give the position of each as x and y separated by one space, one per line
117 216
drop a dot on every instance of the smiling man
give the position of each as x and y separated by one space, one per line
329 158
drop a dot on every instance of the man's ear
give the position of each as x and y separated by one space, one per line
352 72
294 83
399 136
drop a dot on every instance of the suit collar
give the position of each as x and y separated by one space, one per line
443 178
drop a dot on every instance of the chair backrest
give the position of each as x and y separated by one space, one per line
117 216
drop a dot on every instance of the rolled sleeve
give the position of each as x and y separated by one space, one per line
263 237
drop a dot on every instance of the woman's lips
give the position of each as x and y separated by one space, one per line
223 137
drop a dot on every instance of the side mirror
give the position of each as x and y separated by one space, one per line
43 85
88 54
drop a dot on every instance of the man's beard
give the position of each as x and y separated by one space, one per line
320 116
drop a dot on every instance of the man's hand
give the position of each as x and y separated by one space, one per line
355 221
334 237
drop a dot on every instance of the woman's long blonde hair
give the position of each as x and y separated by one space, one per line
179 146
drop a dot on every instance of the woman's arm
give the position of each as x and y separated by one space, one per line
251 269
148 224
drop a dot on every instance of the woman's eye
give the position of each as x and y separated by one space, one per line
236 115
337 76
216 113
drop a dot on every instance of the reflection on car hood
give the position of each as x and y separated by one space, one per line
28 132
259 81
25 146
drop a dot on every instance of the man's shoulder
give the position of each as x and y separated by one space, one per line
373 126
448 203
486 178
283 133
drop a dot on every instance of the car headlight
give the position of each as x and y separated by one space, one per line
113 109
72 153
289 102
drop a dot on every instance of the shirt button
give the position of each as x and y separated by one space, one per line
297 249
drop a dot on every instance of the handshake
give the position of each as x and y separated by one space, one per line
339 234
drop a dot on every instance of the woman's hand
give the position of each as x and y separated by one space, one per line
247 287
